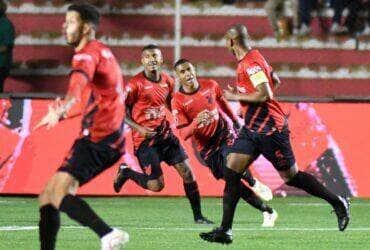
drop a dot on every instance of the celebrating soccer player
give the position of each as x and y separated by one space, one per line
148 95
101 144
195 108
265 132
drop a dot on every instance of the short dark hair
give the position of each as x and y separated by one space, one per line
88 12
150 46
180 61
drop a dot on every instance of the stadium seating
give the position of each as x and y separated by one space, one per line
316 66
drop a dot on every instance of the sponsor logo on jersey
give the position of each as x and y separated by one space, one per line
253 70
82 57
241 89
188 102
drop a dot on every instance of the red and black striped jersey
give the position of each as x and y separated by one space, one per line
265 117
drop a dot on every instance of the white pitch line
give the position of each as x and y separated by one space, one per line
28 228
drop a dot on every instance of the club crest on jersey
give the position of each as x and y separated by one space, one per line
253 70
106 53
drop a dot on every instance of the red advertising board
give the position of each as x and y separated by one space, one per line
330 140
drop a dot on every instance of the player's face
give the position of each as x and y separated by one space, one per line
73 28
152 59
186 74
230 45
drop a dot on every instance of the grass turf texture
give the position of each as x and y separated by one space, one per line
166 223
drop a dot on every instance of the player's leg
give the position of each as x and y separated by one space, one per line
59 194
152 176
277 149
240 155
49 222
191 191
86 161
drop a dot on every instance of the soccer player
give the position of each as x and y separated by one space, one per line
148 95
101 142
265 132
195 108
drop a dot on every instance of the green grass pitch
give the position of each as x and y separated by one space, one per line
166 223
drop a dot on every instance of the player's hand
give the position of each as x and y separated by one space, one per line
147 132
50 119
231 94
203 117
236 127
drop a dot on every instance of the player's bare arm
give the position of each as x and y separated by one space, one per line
263 94
146 132
276 80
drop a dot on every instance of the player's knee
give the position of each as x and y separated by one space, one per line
289 174
155 185
237 162
44 197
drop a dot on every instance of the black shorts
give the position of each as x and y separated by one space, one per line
163 147
87 159
216 160
275 147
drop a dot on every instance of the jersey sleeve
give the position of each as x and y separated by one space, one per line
178 113
132 91
85 63
255 73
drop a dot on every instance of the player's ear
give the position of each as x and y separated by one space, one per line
87 28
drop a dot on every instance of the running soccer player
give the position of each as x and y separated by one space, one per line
195 108
265 132
101 143
148 95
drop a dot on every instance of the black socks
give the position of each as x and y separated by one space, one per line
231 197
247 176
192 193
308 183
49 225
80 211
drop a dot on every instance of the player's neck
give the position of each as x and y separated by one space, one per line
83 42
241 52
153 76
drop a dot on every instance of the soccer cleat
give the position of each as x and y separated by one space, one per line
218 235
121 177
114 240
203 220
269 219
342 212
263 191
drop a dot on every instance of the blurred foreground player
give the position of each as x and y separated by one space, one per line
148 96
195 108
101 143
265 132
